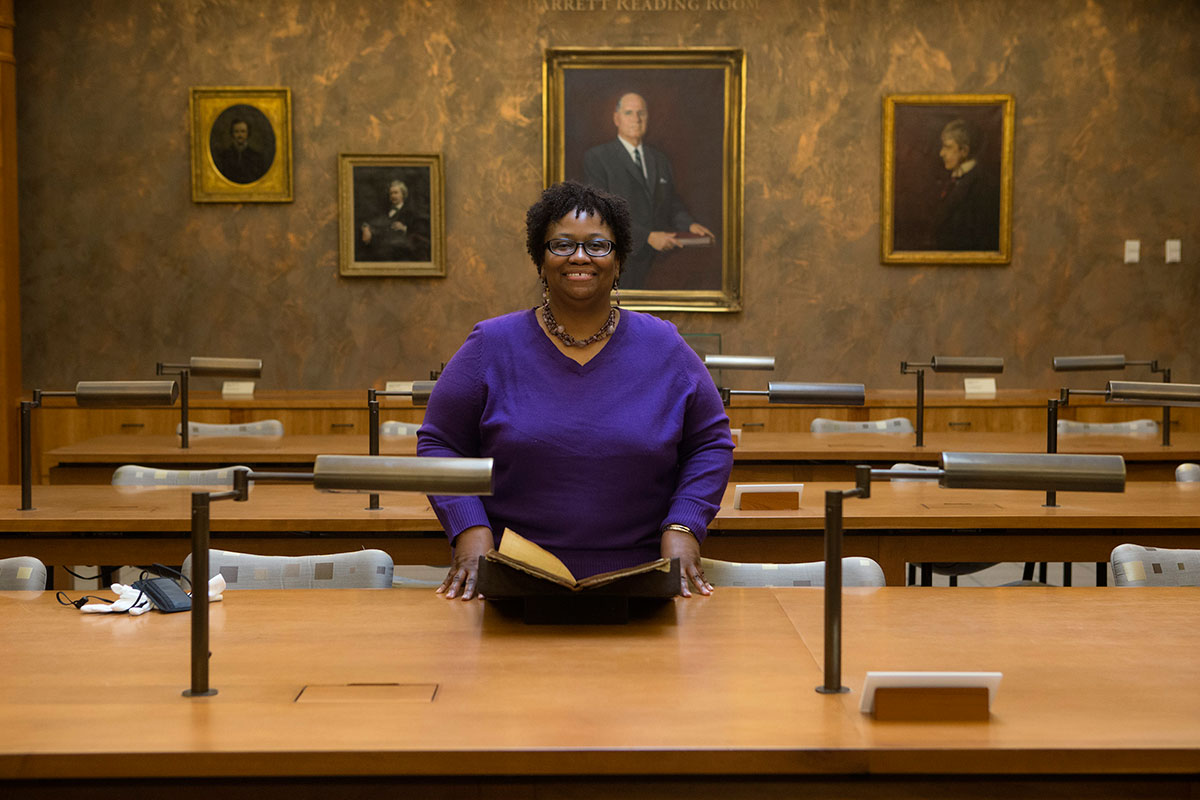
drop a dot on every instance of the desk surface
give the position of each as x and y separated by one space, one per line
136 449
901 447
899 523
1096 681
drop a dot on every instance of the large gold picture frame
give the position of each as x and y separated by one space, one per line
947 178
391 215
693 106
241 144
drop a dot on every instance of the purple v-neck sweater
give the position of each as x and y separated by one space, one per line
590 460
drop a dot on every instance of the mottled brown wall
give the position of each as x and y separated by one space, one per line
121 269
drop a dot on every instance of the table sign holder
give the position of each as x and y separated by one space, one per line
445 476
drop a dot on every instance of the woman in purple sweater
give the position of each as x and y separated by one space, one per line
610 441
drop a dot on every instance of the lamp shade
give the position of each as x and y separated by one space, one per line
719 361
1033 471
817 394
421 391
1153 394
1080 363
93 394
445 476
966 364
207 367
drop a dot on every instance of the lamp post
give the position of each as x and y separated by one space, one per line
88 394
445 476
950 364
1032 471
205 367
419 392
1115 362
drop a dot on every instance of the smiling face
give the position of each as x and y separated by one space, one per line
579 280
631 117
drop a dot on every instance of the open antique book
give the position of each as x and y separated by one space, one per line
520 554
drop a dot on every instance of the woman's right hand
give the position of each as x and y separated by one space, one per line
464 569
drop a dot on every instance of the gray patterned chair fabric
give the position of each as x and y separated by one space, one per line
263 427
1134 427
893 425
856 571
22 574
359 569
394 428
133 475
1188 473
1134 565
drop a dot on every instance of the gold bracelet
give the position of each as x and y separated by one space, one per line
675 526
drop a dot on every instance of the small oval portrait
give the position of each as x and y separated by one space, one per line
242 143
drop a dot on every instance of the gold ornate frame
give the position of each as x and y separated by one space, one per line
560 63
206 104
943 107
424 172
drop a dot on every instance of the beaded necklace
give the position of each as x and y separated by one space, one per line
560 332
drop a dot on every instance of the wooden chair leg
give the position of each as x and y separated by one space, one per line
1066 573
926 574
1102 573
953 580
912 574
1042 571
1027 575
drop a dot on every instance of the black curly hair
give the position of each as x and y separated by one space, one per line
563 198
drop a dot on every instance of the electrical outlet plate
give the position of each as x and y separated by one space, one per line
1174 251
1133 251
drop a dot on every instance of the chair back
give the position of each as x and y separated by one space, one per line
359 569
1133 427
856 571
133 475
1188 473
394 428
1134 565
22 574
264 427
893 425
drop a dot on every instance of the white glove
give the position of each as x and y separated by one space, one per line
128 599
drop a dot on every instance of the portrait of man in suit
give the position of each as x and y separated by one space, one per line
951 179
627 166
393 224
242 143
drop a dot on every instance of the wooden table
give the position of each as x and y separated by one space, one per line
127 525
920 522
93 460
832 456
759 456
899 523
327 692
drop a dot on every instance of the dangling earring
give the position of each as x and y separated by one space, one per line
617 290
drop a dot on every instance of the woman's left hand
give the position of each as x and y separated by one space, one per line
677 544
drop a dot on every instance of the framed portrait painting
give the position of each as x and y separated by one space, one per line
391 216
241 144
947 178
662 128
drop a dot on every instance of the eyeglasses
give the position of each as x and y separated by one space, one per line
596 248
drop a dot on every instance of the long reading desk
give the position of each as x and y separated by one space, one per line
403 693
899 523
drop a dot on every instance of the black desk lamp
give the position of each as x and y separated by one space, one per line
419 393
443 476
1115 362
952 364
206 367
1131 392
1033 471
88 394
